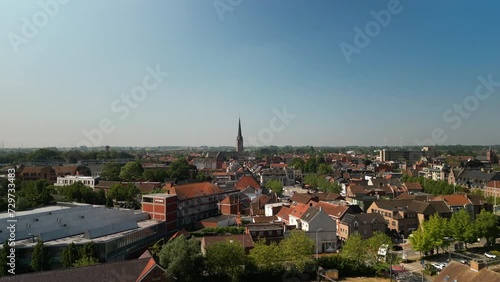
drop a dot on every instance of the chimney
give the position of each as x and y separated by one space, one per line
476 265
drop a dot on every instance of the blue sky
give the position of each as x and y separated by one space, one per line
262 55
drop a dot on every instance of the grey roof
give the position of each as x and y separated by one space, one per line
362 218
310 214
52 223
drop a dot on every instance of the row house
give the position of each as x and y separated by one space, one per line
473 204
473 178
285 175
337 212
363 224
235 204
399 218
258 204
38 173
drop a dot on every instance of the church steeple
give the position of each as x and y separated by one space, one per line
239 139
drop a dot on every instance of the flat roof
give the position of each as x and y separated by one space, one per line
159 195
79 239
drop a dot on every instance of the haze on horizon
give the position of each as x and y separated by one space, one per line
417 78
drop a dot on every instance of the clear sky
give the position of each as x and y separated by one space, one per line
244 62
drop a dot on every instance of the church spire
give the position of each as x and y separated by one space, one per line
239 139
239 129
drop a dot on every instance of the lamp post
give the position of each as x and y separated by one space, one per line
404 258
317 248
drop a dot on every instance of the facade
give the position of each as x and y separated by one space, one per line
88 181
399 218
197 201
271 232
162 207
492 189
362 224
37 173
402 155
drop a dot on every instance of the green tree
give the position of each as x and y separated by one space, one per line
111 172
70 255
420 241
88 251
297 248
462 227
355 249
131 171
226 259
109 202
436 228
182 259
179 169
157 175
120 192
267 257
298 163
275 186
311 165
38 193
373 244
85 261
487 227
40 259
325 169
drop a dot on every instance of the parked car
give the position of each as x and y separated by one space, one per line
490 255
464 261
438 266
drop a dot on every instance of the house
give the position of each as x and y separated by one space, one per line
258 204
413 187
426 209
244 239
399 218
475 178
238 203
492 189
456 271
270 232
362 224
328 197
88 181
248 185
304 199
473 204
337 212
37 173
319 227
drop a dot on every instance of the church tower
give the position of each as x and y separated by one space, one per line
239 139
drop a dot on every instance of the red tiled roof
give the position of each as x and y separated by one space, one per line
284 213
279 165
299 210
413 186
246 181
455 200
332 210
194 190
149 266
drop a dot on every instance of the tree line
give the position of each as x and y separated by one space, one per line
439 233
